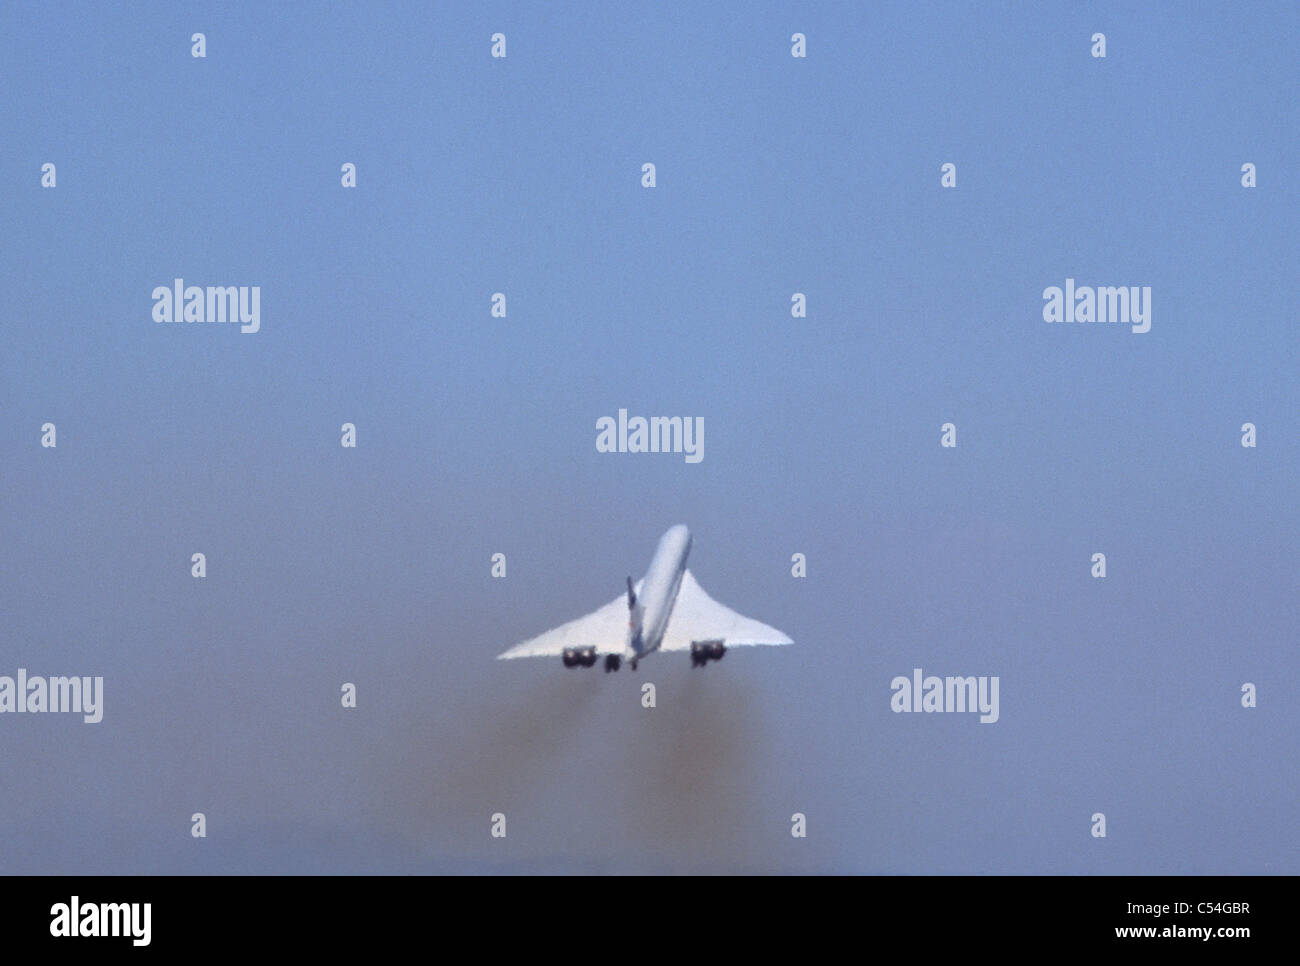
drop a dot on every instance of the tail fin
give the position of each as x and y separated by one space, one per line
631 595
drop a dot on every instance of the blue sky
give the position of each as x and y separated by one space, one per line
476 435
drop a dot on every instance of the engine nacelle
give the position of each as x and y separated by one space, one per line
702 652
578 656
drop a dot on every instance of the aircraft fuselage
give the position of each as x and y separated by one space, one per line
648 619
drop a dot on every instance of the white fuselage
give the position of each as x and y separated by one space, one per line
654 603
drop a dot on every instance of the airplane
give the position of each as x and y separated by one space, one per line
667 610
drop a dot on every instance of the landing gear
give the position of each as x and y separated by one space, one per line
612 662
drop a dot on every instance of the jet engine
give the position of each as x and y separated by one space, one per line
702 652
578 656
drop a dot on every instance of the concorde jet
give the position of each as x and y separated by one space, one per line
664 611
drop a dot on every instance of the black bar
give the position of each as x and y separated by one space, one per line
332 915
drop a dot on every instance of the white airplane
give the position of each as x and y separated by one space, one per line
666 611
